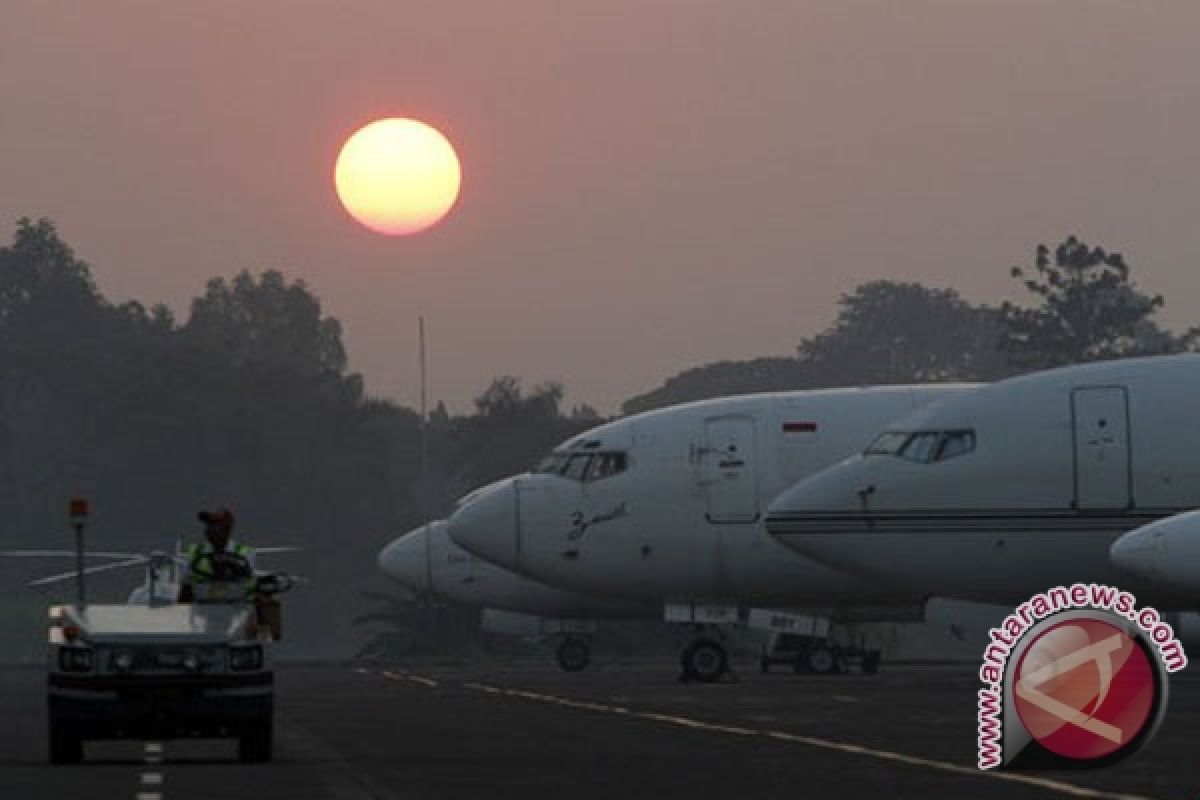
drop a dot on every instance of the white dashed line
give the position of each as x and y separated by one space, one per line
152 754
430 682
813 741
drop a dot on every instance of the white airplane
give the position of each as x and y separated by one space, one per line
1013 489
1165 552
427 562
666 507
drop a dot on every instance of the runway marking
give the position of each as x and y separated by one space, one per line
813 741
152 753
430 682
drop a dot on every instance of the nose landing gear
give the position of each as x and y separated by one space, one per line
574 653
705 660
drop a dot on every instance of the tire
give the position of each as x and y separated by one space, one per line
573 654
820 660
65 748
704 660
255 744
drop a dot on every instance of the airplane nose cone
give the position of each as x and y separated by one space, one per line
1138 552
407 560
486 526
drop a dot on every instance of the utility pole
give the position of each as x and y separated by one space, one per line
424 401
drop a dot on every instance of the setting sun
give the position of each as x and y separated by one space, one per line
397 176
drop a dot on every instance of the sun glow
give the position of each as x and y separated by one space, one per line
397 176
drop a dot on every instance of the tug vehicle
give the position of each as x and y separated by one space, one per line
157 668
159 671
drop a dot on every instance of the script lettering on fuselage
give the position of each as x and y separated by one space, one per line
580 523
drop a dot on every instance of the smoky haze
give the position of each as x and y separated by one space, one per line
647 186
247 401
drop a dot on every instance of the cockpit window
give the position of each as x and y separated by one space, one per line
577 467
887 443
605 465
921 446
955 443
583 466
553 463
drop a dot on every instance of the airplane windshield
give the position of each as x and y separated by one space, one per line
583 466
605 465
577 466
955 443
920 446
923 447
553 463
888 443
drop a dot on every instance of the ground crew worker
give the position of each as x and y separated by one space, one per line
219 569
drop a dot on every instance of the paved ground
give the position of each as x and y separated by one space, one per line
522 730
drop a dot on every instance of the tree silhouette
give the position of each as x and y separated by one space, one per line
1087 309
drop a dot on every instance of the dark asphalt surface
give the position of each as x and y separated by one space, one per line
493 729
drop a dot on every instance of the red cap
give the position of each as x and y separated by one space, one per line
221 518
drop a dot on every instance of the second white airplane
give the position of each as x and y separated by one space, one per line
666 506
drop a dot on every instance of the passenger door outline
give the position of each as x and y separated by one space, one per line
731 469
1103 452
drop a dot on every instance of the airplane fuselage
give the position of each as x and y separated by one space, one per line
1042 474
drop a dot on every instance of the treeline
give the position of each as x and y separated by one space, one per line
247 403
1083 306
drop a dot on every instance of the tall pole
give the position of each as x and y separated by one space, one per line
79 561
424 401
78 510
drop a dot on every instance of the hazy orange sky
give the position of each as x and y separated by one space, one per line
648 185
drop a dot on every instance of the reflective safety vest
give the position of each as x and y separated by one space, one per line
207 585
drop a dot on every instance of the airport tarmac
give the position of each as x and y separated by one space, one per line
521 729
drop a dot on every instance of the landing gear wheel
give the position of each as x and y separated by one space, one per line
254 744
820 660
574 654
65 748
704 660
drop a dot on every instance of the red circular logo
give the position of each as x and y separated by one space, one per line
1084 688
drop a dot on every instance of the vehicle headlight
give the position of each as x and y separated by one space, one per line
122 661
75 659
242 659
